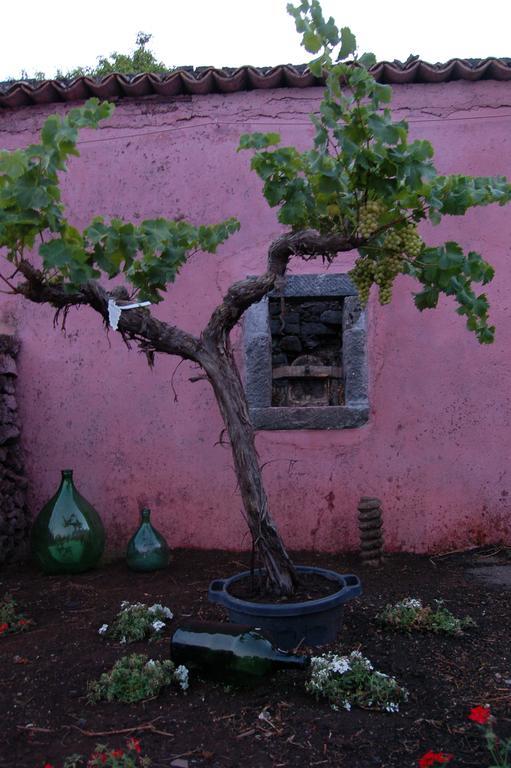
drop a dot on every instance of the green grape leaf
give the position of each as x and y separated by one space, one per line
348 44
13 164
258 140
312 42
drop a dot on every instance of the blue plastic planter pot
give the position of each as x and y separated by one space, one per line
315 622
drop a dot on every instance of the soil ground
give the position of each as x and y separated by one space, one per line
44 672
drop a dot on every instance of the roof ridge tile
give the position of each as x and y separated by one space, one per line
200 81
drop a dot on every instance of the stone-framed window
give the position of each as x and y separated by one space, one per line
267 357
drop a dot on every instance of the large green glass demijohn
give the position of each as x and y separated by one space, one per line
147 549
67 535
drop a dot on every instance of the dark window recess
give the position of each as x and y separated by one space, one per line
306 336
306 356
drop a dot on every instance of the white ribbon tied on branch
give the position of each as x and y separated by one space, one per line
114 310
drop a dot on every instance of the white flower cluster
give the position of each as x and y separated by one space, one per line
127 606
339 664
329 665
157 607
410 602
350 680
137 621
180 674
410 614
181 677
356 656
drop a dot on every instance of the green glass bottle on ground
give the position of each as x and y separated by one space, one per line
67 535
147 549
233 653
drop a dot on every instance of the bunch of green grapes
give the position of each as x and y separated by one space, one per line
406 240
363 275
383 268
382 272
369 218
392 241
412 241
387 268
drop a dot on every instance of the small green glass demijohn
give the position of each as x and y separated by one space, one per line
67 535
147 549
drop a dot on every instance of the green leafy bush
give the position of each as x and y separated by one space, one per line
136 677
348 681
410 614
137 621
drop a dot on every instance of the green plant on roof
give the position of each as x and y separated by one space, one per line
141 60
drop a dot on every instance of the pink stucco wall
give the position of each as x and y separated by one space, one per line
437 446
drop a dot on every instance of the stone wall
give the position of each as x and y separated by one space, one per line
310 327
13 511
306 330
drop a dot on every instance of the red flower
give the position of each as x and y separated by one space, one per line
101 756
3 628
134 744
22 622
117 753
480 715
47 765
433 758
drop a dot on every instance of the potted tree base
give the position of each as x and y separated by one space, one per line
291 624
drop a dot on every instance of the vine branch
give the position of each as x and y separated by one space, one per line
136 324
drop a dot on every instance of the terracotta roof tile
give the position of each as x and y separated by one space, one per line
206 80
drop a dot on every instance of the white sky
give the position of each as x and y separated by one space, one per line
45 36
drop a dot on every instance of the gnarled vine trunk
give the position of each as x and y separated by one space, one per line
222 372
